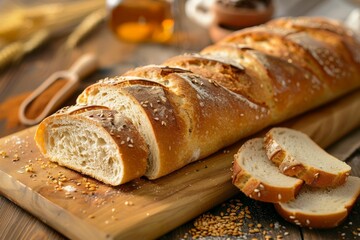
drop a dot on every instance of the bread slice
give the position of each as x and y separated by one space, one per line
297 155
256 176
321 207
95 141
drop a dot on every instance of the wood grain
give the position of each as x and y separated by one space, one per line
18 221
33 182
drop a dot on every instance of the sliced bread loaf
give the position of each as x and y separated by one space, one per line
297 155
321 207
256 176
177 113
96 141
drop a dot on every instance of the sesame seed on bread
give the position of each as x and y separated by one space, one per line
256 176
321 207
297 155
95 141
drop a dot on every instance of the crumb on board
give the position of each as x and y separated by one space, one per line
129 203
3 154
29 168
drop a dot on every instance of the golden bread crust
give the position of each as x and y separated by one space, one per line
291 166
133 154
252 79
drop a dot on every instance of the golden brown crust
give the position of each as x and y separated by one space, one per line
279 84
152 98
202 101
258 190
323 29
290 166
130 144
196 131
163 125
78 109
235 78
288 69
40 136
312 221
133 155
299 48
334 203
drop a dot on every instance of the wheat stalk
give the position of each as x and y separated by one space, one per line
85 27
36 40
16 50
23 29
20 22
10 54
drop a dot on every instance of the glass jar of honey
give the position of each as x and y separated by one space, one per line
141 20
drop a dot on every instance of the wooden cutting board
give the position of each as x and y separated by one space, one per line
81 208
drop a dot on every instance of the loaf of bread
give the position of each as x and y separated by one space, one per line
257 177
193 105
297 155
183 116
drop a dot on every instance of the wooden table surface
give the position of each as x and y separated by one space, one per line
116 57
